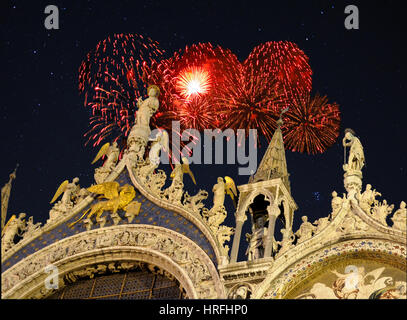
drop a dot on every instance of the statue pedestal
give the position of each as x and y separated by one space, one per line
353 182
137 141
139 131
101 174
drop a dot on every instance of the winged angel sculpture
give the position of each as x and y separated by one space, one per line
217 214
69 191
111 151
179 170
118 198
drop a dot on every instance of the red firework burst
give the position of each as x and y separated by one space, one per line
284 62
193 82
111 78
311 125
191 79
206 87
250 102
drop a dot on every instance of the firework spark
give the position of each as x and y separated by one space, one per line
311 125
193 82
191 79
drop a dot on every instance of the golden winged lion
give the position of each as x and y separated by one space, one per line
118 198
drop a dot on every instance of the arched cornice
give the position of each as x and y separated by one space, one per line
165 248
282 282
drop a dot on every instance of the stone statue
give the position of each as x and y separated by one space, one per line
68 190
381 211
351 222
174 192
356 159
305 231
14 227
177 175
223 235
243 292
223 186
257 240
112 153
146 108
31 228
218 193
321 224
287 241
70 193
336 204
368 198
159 143
194 203
217 214
400 217
140 132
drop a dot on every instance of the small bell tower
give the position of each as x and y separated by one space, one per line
264 198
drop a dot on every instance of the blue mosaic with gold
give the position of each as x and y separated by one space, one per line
150 214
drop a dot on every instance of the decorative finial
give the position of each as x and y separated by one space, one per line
13 174
280 121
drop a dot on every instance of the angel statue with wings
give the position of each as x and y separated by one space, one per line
69 191
14 227
118 198
178 173
217 214
224 186
111 152
175 190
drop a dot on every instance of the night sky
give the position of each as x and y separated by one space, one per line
42 117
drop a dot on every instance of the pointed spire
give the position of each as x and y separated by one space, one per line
5 195
274 165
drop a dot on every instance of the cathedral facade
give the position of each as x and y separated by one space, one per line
127 237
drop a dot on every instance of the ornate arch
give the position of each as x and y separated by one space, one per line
158 246
282 283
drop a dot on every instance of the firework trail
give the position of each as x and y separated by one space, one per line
111 79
